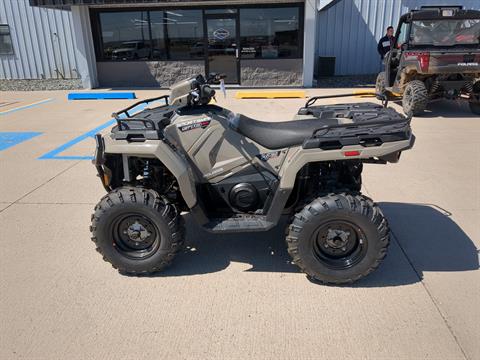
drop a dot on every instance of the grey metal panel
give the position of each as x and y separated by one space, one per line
350 29
43 42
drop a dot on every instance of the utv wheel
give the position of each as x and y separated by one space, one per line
380 85
474 102
415 98
136 230
474 107
338 239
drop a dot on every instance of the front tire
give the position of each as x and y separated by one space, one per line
339 238
415 98
380 85
136 230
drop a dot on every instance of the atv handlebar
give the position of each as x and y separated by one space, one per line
215 78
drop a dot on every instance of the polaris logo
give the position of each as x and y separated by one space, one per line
221 34
467 64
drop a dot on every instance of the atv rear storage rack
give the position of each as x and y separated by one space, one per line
144 125
365 124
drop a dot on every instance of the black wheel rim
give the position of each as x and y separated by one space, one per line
135 236
339 244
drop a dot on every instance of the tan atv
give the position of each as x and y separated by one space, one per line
436 56
237 174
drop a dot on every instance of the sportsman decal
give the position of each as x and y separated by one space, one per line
201 123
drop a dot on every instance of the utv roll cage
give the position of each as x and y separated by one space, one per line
432 13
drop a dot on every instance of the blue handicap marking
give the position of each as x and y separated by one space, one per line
56 153
9 139
100 96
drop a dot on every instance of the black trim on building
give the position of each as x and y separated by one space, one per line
64 3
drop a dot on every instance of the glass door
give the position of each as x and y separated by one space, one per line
222 46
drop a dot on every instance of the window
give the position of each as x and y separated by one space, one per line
6 47
220 11
402 36
158 24
441 32
157 35
125 35
178 34
270 33
184 34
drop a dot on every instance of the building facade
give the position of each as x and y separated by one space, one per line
150 43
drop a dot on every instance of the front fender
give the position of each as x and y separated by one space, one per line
163 152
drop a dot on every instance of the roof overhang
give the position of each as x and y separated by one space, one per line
433 14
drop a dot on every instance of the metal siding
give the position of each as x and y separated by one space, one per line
43 42
350 30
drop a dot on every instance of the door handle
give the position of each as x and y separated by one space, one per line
237 53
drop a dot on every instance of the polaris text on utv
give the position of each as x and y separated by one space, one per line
237 174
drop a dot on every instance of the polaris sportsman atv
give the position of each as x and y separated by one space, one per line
237 174
436 55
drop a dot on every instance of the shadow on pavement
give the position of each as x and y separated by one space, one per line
445 109
431 240
427 235
207 252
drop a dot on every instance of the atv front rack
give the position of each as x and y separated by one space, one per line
123 116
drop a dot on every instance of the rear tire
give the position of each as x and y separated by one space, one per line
474 102
474 107
339 238
415 98
136 230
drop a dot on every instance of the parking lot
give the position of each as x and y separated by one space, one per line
235 296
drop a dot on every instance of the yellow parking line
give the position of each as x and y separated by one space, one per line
249 94
364 93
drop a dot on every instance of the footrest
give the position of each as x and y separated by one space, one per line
237 224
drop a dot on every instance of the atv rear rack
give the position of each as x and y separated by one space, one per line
313 99
372 125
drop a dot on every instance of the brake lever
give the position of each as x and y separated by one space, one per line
196 95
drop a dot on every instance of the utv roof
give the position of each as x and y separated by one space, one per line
439 13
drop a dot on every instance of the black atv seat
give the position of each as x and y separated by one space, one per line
278 135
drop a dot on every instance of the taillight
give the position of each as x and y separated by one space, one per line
424 59
351 153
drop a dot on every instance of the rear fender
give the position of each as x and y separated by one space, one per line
297 157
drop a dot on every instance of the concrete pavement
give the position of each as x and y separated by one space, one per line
236 296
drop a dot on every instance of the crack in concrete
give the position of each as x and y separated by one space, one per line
41 185
437 307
